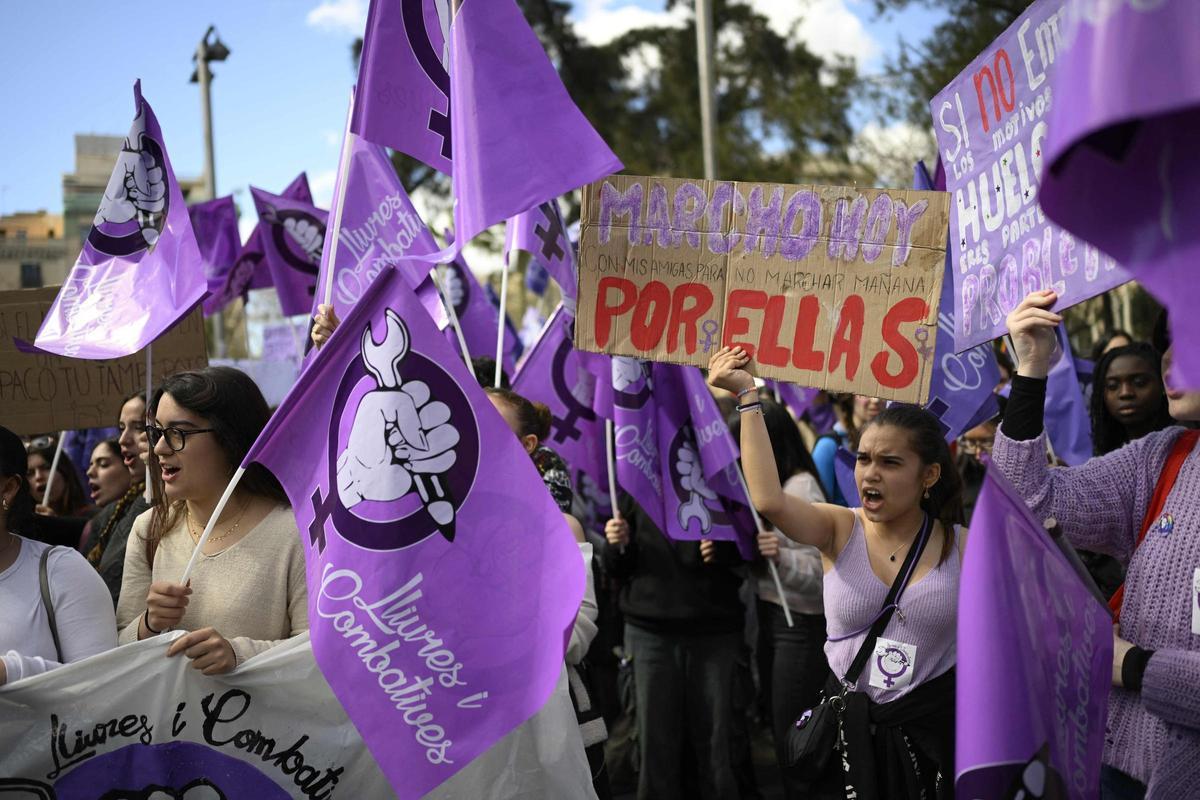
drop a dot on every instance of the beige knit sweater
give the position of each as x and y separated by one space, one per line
253 592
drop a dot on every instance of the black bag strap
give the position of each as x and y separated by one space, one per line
48 602
889 603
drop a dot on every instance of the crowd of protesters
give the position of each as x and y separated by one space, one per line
670 631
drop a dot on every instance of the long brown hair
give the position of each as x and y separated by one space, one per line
234 407
73 497
925 437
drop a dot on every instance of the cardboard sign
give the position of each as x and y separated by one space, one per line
831 287
990 124
40 393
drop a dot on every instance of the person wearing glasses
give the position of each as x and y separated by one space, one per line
105 536
247 589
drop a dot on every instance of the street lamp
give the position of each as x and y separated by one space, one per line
210 49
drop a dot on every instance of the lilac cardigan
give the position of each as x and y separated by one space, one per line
1153 735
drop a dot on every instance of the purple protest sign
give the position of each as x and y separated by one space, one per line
216 228
1068 423
292 241
991 127
553 372
403 86
442 586
1122 172
140 270
540 231
1034 660
379 226
962 384
477 317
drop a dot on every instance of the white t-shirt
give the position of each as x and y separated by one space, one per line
82 608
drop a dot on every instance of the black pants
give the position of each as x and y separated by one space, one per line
683 683
793 670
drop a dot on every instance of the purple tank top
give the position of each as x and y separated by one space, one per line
854 594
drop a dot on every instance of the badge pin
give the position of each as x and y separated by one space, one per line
1165 524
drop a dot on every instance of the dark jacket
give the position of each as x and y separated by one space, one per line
665 585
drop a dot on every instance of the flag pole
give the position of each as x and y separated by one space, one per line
212 521
609 448
62 439
331 236
500 326
149 492
758 526
453 315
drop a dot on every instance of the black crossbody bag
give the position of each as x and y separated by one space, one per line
812 739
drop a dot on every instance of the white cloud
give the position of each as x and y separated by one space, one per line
331 138
321 185
642 63
339 16
890 151
601 21
827 27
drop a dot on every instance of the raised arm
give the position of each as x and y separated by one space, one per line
796 518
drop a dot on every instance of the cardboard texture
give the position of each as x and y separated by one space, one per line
830 287
40 393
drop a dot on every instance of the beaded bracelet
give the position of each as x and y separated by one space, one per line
755 406
745 392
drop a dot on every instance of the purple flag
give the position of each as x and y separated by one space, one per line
991 131
553 372
541 232
514 346
1034 661
140 270
843 473
443 580
798 399
403 86
961 386
513 130
536 277
379 226
477 317
1121 170
240 278
1068 423
297 190
215 225
292 241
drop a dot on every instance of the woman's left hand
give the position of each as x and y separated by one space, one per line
1120 649
210 652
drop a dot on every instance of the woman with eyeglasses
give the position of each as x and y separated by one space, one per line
247 589
105 536
83 620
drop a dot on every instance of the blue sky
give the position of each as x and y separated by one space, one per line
279 101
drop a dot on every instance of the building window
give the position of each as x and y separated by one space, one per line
31 276
50 233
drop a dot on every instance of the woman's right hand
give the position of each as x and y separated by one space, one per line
768 545
1031 325
727 370
616 531
166 603
325 322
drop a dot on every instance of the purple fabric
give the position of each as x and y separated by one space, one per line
1034 659
991 131
379 226
403 86
798 399
514 346
541 232
443 580
1123 129
215 224
240 278
296 190
1067 420
140 270
843 471
554 373
478 318
961 386
292 241
536 277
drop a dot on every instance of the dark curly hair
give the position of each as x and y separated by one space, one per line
1108 433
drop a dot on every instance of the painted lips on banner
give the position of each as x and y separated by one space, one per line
441 585
512 126
215 225
140 270
1034 661
992 128
1122 171
293 236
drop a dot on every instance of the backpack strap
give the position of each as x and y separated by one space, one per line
1166 482
47 601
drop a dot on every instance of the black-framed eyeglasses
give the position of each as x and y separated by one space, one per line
176 437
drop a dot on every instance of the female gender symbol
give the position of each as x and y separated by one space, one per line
889 654
922 337
710 328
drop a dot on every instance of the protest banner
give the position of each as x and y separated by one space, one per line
1034 661
830 287
40 392
991 128
442 577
